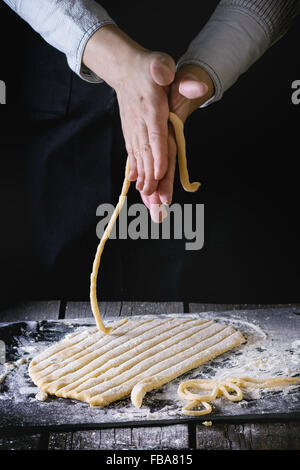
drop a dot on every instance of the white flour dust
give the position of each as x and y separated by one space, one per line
262 356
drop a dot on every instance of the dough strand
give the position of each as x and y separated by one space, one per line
184 179
225 388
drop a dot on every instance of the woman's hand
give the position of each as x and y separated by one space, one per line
192 87
140 79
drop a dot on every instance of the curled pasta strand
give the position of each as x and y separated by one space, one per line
200 385
249 382
186 410
225 387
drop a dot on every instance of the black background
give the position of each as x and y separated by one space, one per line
244 150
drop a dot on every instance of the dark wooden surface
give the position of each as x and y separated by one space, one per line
225 436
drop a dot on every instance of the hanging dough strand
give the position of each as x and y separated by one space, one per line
184 178
105 236
181 149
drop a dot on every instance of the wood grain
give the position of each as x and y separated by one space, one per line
116 309
30 311
141 438
258 436
21 442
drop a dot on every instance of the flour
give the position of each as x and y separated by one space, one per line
267 353
260 357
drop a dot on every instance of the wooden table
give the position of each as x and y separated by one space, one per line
224 436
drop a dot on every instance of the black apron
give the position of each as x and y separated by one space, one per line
64 154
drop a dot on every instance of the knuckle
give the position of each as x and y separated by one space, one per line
137 154
141 173
145 147
157 135
129 148
148 189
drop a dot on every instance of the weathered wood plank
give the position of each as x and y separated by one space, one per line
38 310
116 439
20 442
197 307
166 437
60 441
116 309
83 309
254 436
150 308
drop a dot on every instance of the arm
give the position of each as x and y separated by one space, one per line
238 33
66 25
95 47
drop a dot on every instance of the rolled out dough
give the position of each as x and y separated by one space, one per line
136 357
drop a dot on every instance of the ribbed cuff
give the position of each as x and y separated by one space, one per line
230 42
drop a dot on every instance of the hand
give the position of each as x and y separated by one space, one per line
191 88
140 78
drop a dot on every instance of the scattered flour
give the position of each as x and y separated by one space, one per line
263 355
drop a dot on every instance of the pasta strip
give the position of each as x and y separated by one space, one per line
110 366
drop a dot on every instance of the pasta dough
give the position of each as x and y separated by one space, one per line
225 388
184 178
139 356
136 357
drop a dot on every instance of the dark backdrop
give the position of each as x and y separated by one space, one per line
60 154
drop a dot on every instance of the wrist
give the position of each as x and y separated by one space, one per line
110 53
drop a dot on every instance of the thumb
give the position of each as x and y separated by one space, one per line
162 68
190 87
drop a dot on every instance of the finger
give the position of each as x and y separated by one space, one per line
162 68
191 88
157 210
141 172
133 171
158 138
165 187
133 174
146 200
150 184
